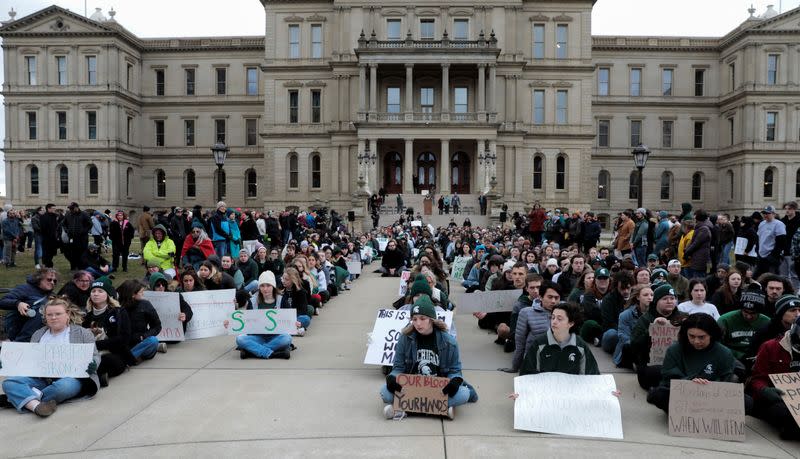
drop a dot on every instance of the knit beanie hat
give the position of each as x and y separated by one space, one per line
663 291
420 285
424 306
785 303
658 273
752 300
105 284
198 224
267 277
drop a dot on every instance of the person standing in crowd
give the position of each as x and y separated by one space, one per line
622 243
121 232
145 225
482 203
792 222
727 236
661 233
12 230
698 251
639 237
178 232
219 237
771 242
96 231
51 239
455 201
77 224
591 231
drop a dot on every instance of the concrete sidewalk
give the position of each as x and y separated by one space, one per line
201 400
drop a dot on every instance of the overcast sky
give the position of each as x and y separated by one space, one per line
162 18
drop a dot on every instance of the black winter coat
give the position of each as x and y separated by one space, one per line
144 321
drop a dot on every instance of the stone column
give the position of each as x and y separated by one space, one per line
445 92
373 167
373 88
408 167
409 109
362 169
362 87
334 171
492 88
444 174
481 92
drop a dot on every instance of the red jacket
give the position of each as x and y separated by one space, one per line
537 218
773 357
207 247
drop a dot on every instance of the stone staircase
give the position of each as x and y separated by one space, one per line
469 208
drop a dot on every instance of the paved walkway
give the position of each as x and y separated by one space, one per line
201 400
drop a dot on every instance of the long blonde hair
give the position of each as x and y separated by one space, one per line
294 277
112 303
312 280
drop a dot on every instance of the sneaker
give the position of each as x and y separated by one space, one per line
450 413
388 412
103 377
38 266
316 311
301 331
162 348
45 409
243 354
282 354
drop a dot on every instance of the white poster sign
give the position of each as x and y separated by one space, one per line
210 308
46 360
382 242
403 288
386 333
415 223
492 301
741 244
168 307
458 267
354 267
563 404
263 322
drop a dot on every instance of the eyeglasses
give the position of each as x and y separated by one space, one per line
51 279
83 280
55 314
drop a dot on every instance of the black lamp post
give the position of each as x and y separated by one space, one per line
220 152
640 154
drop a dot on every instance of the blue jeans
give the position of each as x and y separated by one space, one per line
19 390
262 346
221 247
305 321
461 397
725 253
252 286
609 340
37 248
146 349
640 256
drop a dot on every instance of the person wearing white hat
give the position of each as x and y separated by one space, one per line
265 346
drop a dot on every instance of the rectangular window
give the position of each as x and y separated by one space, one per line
636 133
316 106
30 66
603 133
159 127
251 132
538 41
538 106
731 132
393 29
316 41
393 100
32 126
252 81
603 75
189 75
129 77
666 81
129 130
219 130
562 31
732 76
636 82
61 122
698 134
61 68
666 133
188 132
772 122
426 100
294 41
91 125
91 69
461 100
159 82
772 69
294 103
461 29
699 82
426 29
222 80
561 107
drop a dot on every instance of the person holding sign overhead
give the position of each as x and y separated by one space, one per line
42 395
265 346
425 348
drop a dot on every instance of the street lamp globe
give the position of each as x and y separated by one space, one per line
220 152
640 154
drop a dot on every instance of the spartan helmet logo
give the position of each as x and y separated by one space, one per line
572 357
416 309
672 292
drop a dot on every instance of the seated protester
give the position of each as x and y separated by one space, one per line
779 355
196 247
152 268
78 289
317 272
697 290
612 306
425 348
159 283
95 264
677 281
229 267
551 269
494 270
145 323
265 346
658 275
553 350
328 271
111 328
421 287
438 296
295 296
738 327
786 312
393 260
498 321
533 319
262 260
584 283
662 310
569 278
42 395
213 278
161 250
714 281
774 287
697 356
249 270
277 265
640 298
591 330
641 275
726 298
189 281
503 281
24 303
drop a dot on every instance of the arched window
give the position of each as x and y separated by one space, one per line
316 171
561 172
769 182
191 183
251 179
633 185
161 183
538 170
603 180
63 179
730 184
697 186
128 180
293 171
220 183
34 179
94 181
666 186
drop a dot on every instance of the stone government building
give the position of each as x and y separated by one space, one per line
339 98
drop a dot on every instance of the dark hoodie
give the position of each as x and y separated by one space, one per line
686 212
640 336
20 328
699 250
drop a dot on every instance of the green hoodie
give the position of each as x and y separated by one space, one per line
640 335
714 363
155 277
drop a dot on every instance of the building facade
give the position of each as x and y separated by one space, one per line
341 98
